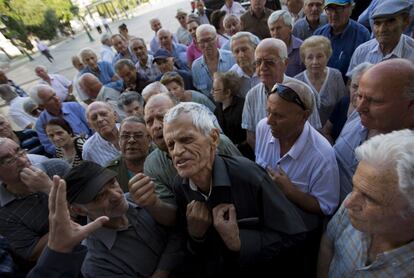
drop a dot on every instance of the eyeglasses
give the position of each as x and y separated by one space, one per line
12 159
134 136
288 94
266 62
206 41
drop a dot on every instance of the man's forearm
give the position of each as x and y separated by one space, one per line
163 212
325 257
303 200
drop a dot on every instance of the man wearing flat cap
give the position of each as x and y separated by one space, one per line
390 19
130 243
344 33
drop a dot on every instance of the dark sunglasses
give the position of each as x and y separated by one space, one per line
288 94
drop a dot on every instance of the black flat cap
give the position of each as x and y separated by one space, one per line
85 181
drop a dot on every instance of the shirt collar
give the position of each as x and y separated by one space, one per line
396 52
298 147
239 71
5 196
342 34
108 236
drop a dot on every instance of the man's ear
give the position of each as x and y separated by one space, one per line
79 210
215 136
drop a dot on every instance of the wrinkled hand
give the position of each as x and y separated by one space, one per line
281 179
198 219
225 222
36 180
142 190
64 234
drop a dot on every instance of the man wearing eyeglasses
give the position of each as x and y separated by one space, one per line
344 33
213 60
135 145
271 64
300 161
24 193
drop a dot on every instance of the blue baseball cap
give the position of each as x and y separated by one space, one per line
162 54
391 8
338 2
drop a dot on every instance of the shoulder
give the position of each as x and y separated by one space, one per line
323 30
242 168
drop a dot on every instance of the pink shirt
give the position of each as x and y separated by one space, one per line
193 53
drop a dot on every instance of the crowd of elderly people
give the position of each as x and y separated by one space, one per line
250 142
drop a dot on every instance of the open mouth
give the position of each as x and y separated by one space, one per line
182 162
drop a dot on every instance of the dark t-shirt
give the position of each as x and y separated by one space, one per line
339 116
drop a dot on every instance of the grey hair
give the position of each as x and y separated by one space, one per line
360 69
307 1
206 28
85 51
105 37
132 119
164 30
137 39
253 39
202 118
277 43
392 150
34 92
156 86
129 97
227 17
29 105
7 93
285 15
41 67
124 62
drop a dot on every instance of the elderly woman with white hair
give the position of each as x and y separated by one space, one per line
344 109
326 82
280 25
103 70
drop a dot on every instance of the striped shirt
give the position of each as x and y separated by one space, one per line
77 159
351 253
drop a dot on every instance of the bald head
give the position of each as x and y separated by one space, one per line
90 84
386 96
276 45
165 38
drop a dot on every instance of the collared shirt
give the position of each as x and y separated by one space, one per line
303 30
111 96
230 119
263 214
247 82
236 9
119 56
136 251
193 53
155 43
73 113
23 220
60 85
184 36
331 92
98 150
344 44
179 51
353 135
351 249
150 70
295 64
17 89
107 54
105 74
255 106
17 113
256 25
202 78
370 51
310 163
158 165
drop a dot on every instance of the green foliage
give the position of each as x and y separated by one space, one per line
47 30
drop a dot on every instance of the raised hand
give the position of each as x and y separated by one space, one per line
64 234
36 180
142 190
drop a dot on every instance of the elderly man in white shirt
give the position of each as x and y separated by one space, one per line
231 7
60 84
103 145
107 53
16 112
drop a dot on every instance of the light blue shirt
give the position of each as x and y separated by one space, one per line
105 74
119 56
73 113
247 82
202 78
295 64
303 30
310 163
353 134
371 52
179 51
